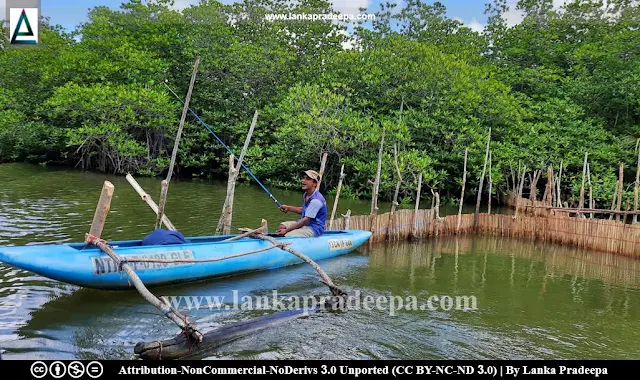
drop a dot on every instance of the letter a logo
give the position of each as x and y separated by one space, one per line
22 29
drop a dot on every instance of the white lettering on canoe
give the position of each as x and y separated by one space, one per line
335 244
105 265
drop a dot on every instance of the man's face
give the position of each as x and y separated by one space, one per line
307 183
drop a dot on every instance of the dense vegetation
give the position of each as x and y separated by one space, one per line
562 82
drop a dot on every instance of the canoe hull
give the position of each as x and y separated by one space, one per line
87 266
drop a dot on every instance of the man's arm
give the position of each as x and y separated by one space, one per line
297 210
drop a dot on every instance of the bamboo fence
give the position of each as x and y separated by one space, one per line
595 234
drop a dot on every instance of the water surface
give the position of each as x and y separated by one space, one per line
534 300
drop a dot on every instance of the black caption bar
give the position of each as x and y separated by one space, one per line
84 369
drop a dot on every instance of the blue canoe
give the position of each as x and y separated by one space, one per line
87 266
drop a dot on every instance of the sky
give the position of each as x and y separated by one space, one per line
70 13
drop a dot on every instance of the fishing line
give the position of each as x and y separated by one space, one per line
224 145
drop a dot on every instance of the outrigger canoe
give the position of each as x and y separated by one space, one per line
87 266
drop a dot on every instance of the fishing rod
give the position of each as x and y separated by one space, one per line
224 145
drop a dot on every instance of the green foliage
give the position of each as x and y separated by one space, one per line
561 83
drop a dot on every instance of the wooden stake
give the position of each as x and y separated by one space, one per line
513 180
584 175
415 211
635 189
524 169
549 187
591 205
177 142
224 223
347 219
613 201
394 204
558 197
484 169
226 208
335 202
624 218
464 182
490 186
323 162
147 198
620 183
376 184
164 187
102 209
533 195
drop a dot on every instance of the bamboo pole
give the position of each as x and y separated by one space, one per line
558 196
394 204
177 142
549 196
518 199
147 198
102 209
224 223
624 218
335 202
169 311
325 278
415 211
635 188
464 182
584 174
613 201
533 195
591 204
490 186
620 183
513 179
323 162
246 233
376 184
484 169
164 187
226 210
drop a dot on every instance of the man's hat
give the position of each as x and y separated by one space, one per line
313 175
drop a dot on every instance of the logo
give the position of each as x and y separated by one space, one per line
335 244
76 369
94 369
38 370
57 369
23 25
105 265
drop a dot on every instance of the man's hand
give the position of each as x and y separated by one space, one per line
282 230
284 208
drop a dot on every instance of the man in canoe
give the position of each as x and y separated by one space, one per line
313 210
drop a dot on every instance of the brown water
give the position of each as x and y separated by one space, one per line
534 300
